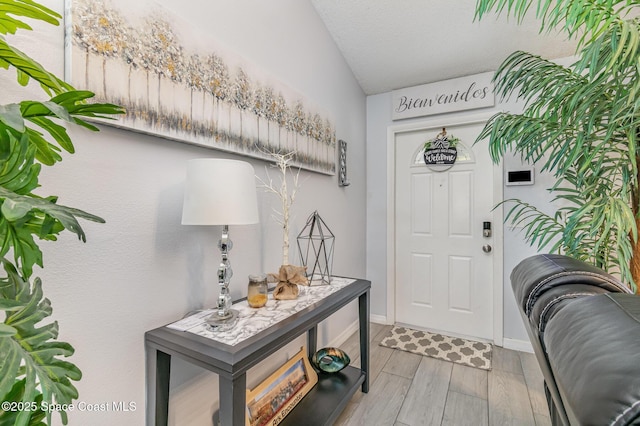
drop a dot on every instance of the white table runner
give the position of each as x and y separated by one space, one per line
251 320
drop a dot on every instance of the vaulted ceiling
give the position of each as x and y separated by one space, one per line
390 44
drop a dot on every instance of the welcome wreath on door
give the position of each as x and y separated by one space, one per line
441 153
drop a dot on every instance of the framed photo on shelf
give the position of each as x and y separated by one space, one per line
271 401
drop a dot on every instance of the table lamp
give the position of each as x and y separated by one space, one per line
220 192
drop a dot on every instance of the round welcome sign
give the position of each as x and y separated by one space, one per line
441 153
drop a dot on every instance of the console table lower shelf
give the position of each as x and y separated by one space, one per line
328 398
325 401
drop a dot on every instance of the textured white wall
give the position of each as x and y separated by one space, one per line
142 269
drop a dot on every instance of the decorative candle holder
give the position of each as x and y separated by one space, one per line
257 291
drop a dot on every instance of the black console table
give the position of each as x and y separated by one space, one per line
321 406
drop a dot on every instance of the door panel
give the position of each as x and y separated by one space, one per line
461 202
421 279
461 277
421 204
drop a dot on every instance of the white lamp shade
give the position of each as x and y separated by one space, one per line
219 192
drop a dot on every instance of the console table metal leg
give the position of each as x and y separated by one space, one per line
158 374
363 311
312 340
233 400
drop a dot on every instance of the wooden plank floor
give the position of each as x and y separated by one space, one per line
408 389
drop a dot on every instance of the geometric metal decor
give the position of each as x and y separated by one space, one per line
315 243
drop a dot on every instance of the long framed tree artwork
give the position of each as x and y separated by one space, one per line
206 96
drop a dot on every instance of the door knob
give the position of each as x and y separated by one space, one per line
487 248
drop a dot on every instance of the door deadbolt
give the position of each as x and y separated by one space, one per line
487 248
486 229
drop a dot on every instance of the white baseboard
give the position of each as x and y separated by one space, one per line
353 327
342 337
517 345
379 319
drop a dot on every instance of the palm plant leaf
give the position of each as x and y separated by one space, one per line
31 353
12 9
23 146
23 217
18 169
615 54
36 120
581 124
11 12
533 221
28 69
599 212
610 39
590 18
526 135
16 395
70 107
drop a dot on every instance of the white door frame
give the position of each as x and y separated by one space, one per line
498 238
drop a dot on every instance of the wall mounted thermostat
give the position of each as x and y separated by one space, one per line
520 176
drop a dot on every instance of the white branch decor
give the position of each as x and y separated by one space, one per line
283 162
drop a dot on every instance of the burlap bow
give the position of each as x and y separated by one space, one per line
288 279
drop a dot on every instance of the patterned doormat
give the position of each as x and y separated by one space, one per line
454 349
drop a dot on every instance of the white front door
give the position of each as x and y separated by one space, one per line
444 264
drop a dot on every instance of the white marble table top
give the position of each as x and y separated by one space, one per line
252 321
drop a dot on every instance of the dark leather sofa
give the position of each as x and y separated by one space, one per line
584 326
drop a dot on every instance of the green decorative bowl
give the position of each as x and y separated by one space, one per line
330 360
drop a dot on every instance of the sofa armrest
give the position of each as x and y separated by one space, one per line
544 285
538 274
593 348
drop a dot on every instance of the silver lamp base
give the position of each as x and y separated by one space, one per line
218 323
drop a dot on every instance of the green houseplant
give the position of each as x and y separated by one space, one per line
35 380
582 124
